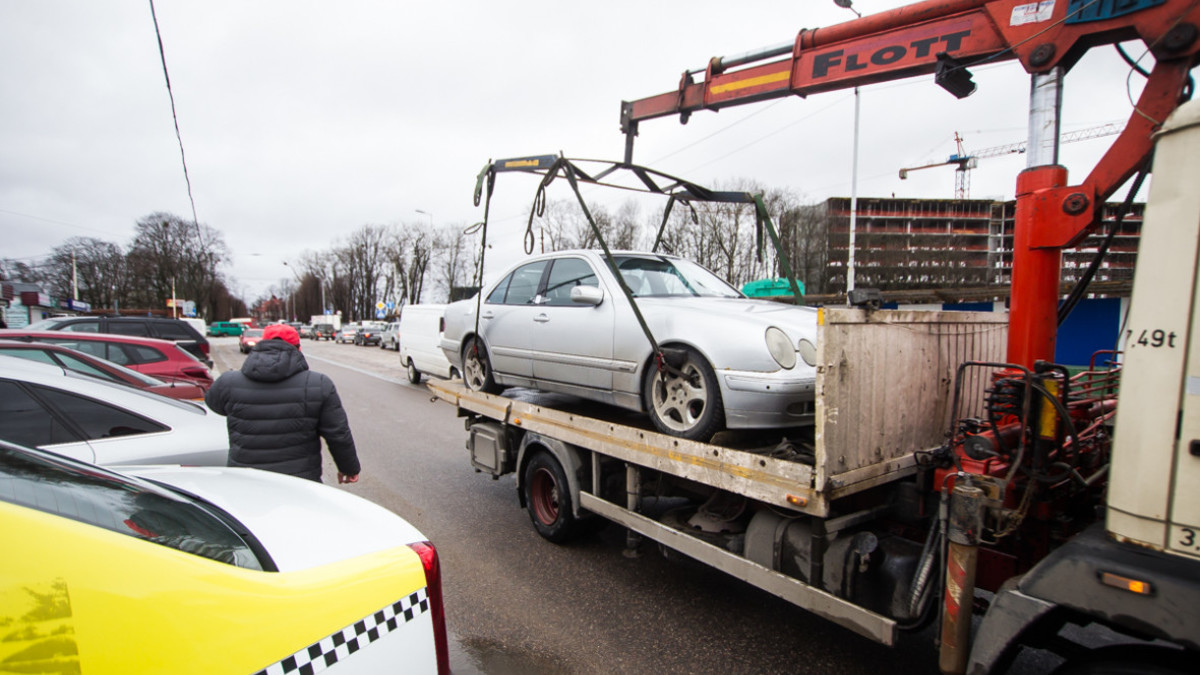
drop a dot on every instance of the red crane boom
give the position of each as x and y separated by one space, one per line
944 38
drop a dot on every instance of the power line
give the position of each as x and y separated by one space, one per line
175 116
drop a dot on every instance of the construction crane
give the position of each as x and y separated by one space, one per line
965 162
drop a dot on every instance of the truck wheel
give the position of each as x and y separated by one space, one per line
548 498
687 405
414 375
477 368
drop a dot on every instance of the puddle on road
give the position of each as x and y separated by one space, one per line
474 656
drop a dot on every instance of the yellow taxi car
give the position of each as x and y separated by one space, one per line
174 569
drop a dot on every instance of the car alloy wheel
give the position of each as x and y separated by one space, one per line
686 403
477 368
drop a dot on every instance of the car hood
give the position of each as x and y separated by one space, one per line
798 321
301 523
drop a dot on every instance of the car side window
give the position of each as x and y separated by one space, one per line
173 331
90 347
96 419
523 286
82 327
496 297
143 354
135 328
110 502
80 366
565 274
116 354
25 421
29 354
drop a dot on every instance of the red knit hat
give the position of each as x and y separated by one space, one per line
280 331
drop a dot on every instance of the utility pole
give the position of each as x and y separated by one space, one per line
847 4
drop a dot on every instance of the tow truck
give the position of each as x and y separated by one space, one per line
953 469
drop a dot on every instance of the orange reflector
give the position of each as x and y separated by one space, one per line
797 501
1126 584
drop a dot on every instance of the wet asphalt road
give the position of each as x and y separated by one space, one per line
516 603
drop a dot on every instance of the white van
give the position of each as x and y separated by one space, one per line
420 336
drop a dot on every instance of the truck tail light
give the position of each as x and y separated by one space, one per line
433 585
1127 583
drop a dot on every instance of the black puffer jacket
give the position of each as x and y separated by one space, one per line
278 411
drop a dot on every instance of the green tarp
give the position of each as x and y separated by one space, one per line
767 288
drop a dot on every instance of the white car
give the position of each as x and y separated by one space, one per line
390 338
561 322
47 406
165 569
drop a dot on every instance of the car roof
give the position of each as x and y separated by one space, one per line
14 333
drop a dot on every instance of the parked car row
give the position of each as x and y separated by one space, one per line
46 405
86 364
158 358
181 332
79 440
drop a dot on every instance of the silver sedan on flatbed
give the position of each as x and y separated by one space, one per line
560 322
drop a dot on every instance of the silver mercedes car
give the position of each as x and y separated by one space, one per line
560 322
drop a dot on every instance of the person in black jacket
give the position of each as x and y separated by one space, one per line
278 410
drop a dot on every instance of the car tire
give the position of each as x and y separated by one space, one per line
687 405
477 368
548 498
414 375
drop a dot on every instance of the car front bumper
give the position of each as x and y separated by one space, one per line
765 400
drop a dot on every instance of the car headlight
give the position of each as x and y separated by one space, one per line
808 352
781 348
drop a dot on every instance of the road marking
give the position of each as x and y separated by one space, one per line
361 371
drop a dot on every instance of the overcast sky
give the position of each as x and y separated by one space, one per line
303 121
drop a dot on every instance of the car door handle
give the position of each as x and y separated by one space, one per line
542 318
486 315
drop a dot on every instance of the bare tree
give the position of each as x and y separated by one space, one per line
364 259
565 226
457 256
93 266
170 253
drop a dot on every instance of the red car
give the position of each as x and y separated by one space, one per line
87 364
157 358
249 338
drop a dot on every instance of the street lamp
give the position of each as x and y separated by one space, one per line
320 282
428 214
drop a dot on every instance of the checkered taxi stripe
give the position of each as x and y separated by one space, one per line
340 645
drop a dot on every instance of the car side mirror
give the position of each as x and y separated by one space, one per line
587 295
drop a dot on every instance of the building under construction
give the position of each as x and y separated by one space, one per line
956 250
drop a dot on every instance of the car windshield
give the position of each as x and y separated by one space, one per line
659 276
46 482
252 333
